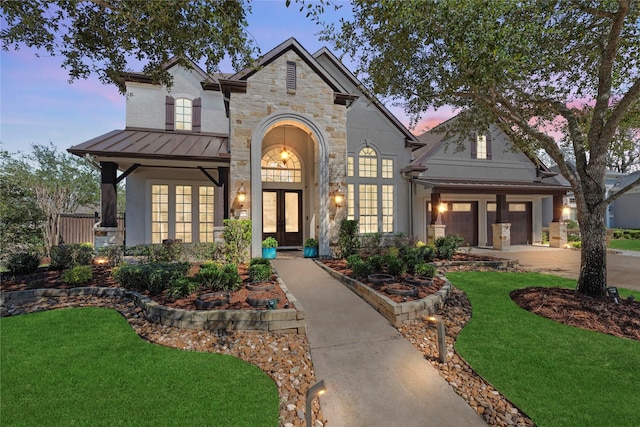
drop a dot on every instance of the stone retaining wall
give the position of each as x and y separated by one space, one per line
395 312
291 320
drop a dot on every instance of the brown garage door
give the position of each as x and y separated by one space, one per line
520 219
460 218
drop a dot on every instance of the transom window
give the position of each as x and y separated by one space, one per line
183 114
275 169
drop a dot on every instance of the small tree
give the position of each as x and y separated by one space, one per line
237 238
348 241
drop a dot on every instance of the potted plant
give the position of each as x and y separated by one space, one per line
269 246
311 248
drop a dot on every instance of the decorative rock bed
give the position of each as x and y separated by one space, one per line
289 320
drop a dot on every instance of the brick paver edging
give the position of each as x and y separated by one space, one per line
290 320
395 312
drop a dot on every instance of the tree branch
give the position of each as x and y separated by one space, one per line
626 188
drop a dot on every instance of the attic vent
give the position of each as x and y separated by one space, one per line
291 76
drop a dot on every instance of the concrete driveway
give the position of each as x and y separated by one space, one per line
623 267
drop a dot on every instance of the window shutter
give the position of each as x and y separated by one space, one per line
474 145
489 145
169 113
196 115
291 75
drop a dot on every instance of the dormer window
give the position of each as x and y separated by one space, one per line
183 114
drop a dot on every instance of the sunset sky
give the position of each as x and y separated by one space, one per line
38 105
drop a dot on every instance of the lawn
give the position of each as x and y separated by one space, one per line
558 375
86 366
625 244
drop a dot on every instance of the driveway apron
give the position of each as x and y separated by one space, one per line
374 377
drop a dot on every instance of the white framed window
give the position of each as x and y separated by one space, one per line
387 168
351 202
481 146
350 166
368 208
387 208
176 212
367 163
183 114
275 169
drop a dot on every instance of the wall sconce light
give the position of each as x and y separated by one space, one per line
338 197
442 207
566 210
314 391
442 344
242 194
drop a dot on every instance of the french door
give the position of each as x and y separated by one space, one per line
282 216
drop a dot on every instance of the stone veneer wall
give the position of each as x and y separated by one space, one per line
266 105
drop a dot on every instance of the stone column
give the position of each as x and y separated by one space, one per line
557 234
435 231
502 236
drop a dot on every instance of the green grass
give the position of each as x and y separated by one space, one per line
625 244
559 375
86 366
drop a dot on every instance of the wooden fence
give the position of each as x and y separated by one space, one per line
78 228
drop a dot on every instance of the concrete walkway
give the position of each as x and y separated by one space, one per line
373 375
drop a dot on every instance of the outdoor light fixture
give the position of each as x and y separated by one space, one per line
242 194
338 197
442 344
566 210
314 391
284 154
442 207
101 260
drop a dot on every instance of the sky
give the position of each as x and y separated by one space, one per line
38 105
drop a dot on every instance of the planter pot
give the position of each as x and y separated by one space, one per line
404 290
260 300
210 300
379 279
419 280
269 253
311 252
260 286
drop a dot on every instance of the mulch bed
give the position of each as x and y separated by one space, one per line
44 279
572 308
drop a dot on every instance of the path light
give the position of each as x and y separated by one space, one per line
314 391
442 344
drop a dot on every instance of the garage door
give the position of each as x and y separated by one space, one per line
520 219
460 218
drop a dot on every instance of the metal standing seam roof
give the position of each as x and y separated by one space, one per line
152 144
476 186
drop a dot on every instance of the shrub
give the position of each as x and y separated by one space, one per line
270 242
201 251
361 269
182 287
114 254
424 269
208 274
259 260
228 278
311 243
428 252
260 273
446 246
376 262
237 238
372 243
348 242
412 257
64 257
23 263
78 274
150 277
396 266
352 259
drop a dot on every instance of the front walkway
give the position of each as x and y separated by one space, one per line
373 375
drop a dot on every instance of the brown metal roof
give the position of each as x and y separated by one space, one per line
153 144
491 187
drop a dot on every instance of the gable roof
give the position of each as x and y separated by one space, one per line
410 138
208 81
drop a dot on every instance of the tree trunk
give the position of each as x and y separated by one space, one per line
593 272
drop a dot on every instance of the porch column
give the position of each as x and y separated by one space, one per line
108 191
223 176
502 227
436 228
557 228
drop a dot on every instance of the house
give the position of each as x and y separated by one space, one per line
284 144
485 191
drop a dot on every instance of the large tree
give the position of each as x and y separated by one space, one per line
522 65
101 36
44 184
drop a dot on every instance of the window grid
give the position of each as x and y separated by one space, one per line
350 167
159 213
351 202
184 217
481 147
367 163
206 213
183 114
368 210
387 208
276 170
387 168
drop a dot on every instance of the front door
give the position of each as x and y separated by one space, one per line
282 216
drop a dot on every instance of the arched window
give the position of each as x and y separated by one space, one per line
275 169
367 163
